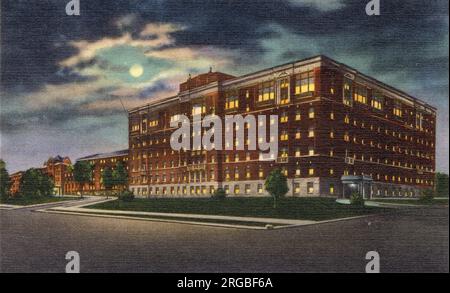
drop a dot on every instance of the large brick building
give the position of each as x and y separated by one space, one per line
333 121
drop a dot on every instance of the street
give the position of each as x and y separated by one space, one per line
407 240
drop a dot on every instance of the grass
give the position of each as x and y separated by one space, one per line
439 201
21 201
315 209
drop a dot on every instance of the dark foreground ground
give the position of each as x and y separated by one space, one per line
408 240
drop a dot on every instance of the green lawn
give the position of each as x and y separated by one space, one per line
31 201
288 208
439 201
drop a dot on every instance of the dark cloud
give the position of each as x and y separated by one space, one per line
406 46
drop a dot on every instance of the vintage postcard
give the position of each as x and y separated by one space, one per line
220 136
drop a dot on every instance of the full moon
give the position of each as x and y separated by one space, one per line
136 70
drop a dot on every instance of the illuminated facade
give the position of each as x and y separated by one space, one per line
333 121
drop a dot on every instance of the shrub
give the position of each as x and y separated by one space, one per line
426 196
126 195
219 194
357 199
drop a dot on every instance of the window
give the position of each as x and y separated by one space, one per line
311 132
346 136
297 152
311 171
261 173
231 102
347 93
311 113
304 83
310 187
360 94
266 91
377 101
298 116
260 188
398 110
297 188
419 121
284 117
135 127
237 189
331 188
175 118
284 91
144 125
247 189
284 135
311 151
198 110
153 123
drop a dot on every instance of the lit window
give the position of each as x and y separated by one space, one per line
311 151
311 132
331 188
398 110
311 171
346 136
266 91
284 91
360 95
311 113
231 102
198 110
347 93
284 117
310 187
304 83
298 116
346 119
377 101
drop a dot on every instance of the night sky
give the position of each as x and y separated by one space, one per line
61 75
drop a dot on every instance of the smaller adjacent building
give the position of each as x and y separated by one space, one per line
57 168
60 169
99 163
15 182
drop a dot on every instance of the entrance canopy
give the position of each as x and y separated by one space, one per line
360 184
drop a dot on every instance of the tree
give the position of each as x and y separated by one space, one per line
108 180
82 174
34 183
120 175
5 181
442 185
276 185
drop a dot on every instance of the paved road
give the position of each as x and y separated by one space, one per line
408 240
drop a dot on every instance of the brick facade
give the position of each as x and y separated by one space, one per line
334 121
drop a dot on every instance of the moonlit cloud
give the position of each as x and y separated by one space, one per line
61 78
322 5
